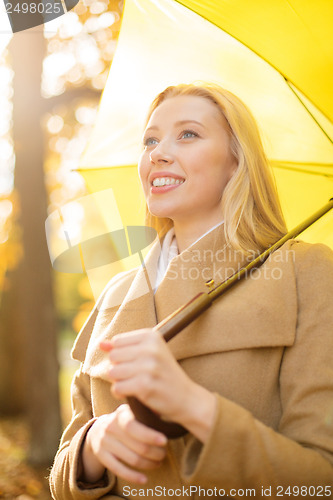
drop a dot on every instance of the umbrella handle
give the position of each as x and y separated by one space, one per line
146 416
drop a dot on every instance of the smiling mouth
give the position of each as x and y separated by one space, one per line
166 181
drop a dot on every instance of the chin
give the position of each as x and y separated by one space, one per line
161 214
160 211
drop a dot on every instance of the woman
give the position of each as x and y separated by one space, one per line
253 380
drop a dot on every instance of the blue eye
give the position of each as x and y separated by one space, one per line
187 134
150 141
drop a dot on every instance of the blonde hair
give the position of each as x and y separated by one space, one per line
253 218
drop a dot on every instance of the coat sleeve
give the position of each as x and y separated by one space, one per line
241 451
64 477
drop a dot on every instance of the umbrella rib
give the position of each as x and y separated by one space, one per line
277 164
307 109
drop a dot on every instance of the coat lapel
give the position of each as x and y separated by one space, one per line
191 271
260 311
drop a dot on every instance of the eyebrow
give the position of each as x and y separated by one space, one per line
180 122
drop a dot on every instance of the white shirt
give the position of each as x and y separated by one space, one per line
170 250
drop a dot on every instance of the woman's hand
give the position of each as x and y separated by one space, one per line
120 443
143 366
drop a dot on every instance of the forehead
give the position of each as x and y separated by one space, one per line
187 107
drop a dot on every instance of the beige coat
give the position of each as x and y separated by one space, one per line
265 349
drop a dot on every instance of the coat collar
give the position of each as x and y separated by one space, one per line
260 311
208 260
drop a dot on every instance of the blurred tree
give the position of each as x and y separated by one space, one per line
28 330
11 387
28 308
80 47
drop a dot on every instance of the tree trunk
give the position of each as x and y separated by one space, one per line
35 296
12 391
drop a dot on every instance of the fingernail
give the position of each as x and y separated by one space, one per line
105 346
142 479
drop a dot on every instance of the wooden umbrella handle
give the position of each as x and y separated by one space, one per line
146 416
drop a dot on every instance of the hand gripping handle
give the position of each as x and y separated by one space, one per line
168 328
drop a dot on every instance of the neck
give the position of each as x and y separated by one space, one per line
187 233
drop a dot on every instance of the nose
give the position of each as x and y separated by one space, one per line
160 155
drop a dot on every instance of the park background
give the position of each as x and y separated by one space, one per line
51 79
50 83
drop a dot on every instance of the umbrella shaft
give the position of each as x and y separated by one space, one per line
183 316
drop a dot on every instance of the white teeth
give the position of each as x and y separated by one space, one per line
166 181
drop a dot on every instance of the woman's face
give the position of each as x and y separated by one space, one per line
186 162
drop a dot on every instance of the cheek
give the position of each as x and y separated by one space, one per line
213 178
212 165
224 166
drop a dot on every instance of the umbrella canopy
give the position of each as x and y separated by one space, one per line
276 56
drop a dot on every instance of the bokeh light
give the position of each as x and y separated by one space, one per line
80 46
7 158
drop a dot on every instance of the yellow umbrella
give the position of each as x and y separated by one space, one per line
276 56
